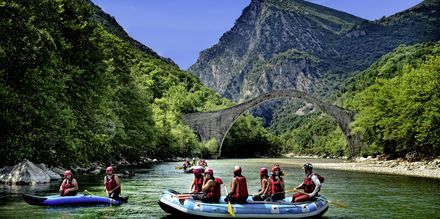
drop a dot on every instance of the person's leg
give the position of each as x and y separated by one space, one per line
277 197
198 196
302 198
257 198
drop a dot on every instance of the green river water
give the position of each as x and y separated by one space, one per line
366 195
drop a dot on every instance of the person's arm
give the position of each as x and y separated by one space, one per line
263 187
281 182
300 186
317 186
62 184
105 187
267 188
233 186
74 183
208 184
191 190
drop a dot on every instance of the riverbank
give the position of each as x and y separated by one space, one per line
427 169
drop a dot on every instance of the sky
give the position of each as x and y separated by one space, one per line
181 29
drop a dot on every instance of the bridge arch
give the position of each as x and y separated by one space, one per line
216 124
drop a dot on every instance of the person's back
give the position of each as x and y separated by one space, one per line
264 175
197 184
238 188
69 186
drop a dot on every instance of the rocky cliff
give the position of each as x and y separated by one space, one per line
294 44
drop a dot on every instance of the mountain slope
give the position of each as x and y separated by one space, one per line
112 26
296 44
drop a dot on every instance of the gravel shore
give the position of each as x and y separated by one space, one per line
428 169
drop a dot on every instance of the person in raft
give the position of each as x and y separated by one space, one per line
238 192
196 186
275 188
311 185
186 164
211 188
264 176
281 170
112 185
69 186
203 163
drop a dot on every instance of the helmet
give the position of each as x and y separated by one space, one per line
197 171
67 173
263 171
210 171
237 170
109 169
308 166
276 167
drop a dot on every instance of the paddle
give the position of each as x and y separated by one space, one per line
337 204
186 195
179 167
87 192
230 208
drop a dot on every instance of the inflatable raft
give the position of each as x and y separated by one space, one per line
188 207
55 200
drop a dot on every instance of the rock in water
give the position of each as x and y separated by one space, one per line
53 176
25 173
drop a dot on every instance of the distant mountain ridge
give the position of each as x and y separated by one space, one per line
296 44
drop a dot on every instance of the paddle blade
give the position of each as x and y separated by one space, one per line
179 167
231 209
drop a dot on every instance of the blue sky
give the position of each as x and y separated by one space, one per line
181 29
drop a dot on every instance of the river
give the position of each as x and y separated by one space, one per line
365 195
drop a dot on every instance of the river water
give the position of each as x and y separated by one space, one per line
365 195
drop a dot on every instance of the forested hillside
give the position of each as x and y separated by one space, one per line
397 101
72 92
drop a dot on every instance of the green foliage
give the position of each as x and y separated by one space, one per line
71 92
248 138
401 114
316 134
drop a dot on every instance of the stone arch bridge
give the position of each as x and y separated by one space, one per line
216 124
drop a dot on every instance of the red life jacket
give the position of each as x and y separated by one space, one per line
198 184
67 184
241 190
309 186
110 183
275 187
214 191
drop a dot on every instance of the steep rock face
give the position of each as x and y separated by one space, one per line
279 44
